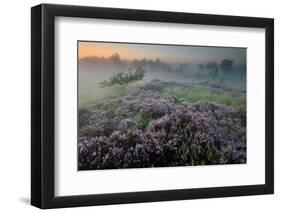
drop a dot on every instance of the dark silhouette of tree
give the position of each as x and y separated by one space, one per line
226 64
115 58
157 61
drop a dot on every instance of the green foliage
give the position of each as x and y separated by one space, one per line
140 121
124 79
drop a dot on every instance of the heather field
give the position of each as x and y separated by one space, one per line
157 105
165 117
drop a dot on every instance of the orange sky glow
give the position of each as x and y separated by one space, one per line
167 53
89 49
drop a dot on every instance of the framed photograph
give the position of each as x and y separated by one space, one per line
140 106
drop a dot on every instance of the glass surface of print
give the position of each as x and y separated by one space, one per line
159 105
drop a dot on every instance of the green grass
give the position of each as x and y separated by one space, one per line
140 121
204 94
105 93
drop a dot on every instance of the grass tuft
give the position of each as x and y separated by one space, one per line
140 121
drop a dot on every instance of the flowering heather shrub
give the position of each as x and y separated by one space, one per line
178 139
143 129
231 122
155 108
196 140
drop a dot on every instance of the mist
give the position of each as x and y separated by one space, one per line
93 70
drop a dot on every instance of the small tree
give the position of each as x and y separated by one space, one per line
115 58
226 64
124 79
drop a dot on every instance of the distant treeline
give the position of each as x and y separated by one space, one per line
224 65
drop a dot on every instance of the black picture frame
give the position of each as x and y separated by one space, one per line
43 102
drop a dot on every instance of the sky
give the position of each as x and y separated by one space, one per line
167 53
